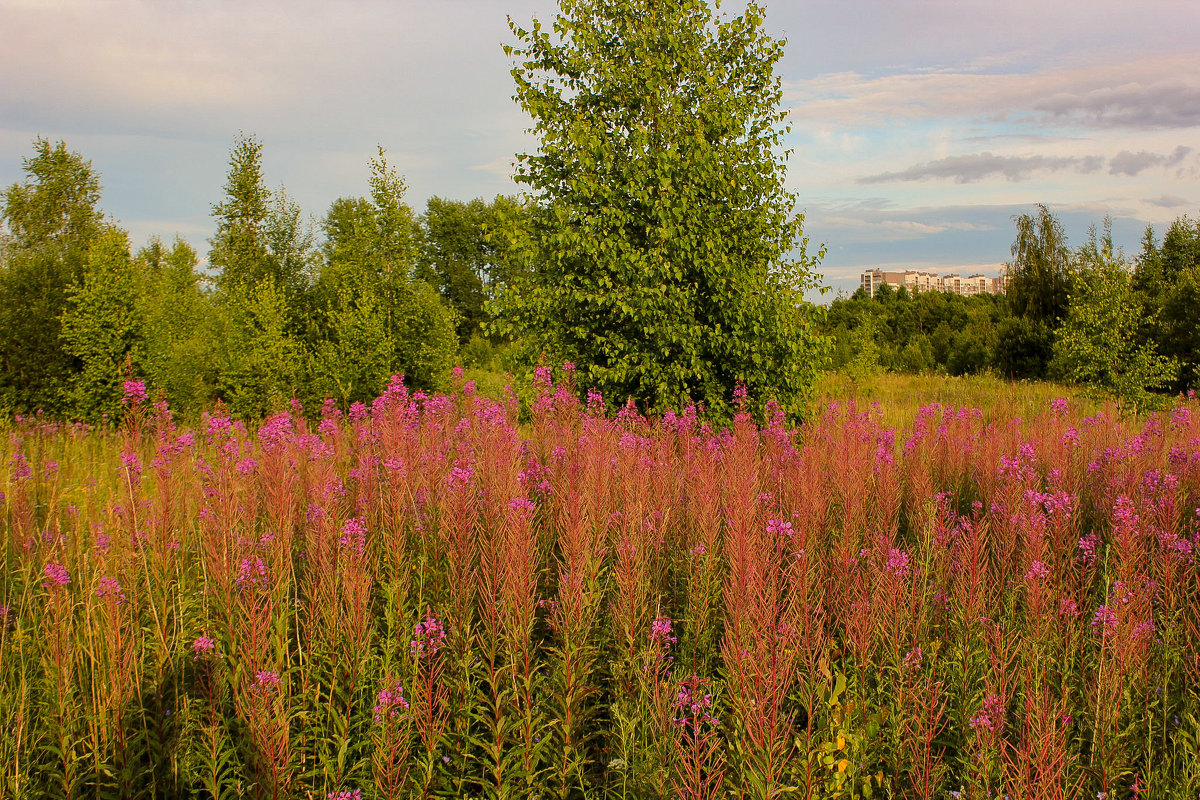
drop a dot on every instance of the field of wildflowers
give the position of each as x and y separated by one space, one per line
425 598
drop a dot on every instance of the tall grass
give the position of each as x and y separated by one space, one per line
421 598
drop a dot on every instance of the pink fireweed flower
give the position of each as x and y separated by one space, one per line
694 703
991 717
459 476
219 424
429 636
109 587
914 658
1105 621
56 576
276 431
131 463
203 646
521 504
346 794
1059 405
1037 570
897 562
884 456
660 633
265 682
354 535
779 527
595 403
252 572
134 393
1087 548
20 469
390 702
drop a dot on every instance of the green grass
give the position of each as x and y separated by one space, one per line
900 396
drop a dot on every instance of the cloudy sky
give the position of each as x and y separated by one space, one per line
918 128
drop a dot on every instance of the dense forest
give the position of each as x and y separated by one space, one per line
1089 314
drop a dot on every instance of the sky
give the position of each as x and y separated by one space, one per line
918 129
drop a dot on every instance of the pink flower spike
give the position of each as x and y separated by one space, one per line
56 576
265 681
110 588
203 646
429 636
660 632
134 393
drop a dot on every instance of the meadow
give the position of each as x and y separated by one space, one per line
454 595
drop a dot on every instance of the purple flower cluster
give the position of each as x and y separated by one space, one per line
459 477
203 646
346 794
354 535
991 717
265 682
134 393
252 572
897 563
390 702
429 636
914 658
1105 621
1037 571
779 527
20 469
1087 546
694 703
110 588
660 633
131 463
276 431
56 576
521 504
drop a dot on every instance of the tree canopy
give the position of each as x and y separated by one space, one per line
670 264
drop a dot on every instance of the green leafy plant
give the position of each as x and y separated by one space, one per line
669 263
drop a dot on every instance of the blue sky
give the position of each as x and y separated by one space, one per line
918 128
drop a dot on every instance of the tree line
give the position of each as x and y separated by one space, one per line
656 249
276 312
1128 325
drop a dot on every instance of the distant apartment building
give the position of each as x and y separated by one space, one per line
916 281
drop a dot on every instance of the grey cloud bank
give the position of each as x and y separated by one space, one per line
965 169
1127 163
968 168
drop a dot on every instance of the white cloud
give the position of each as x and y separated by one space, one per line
1159 91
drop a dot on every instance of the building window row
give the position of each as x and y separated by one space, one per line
916 281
